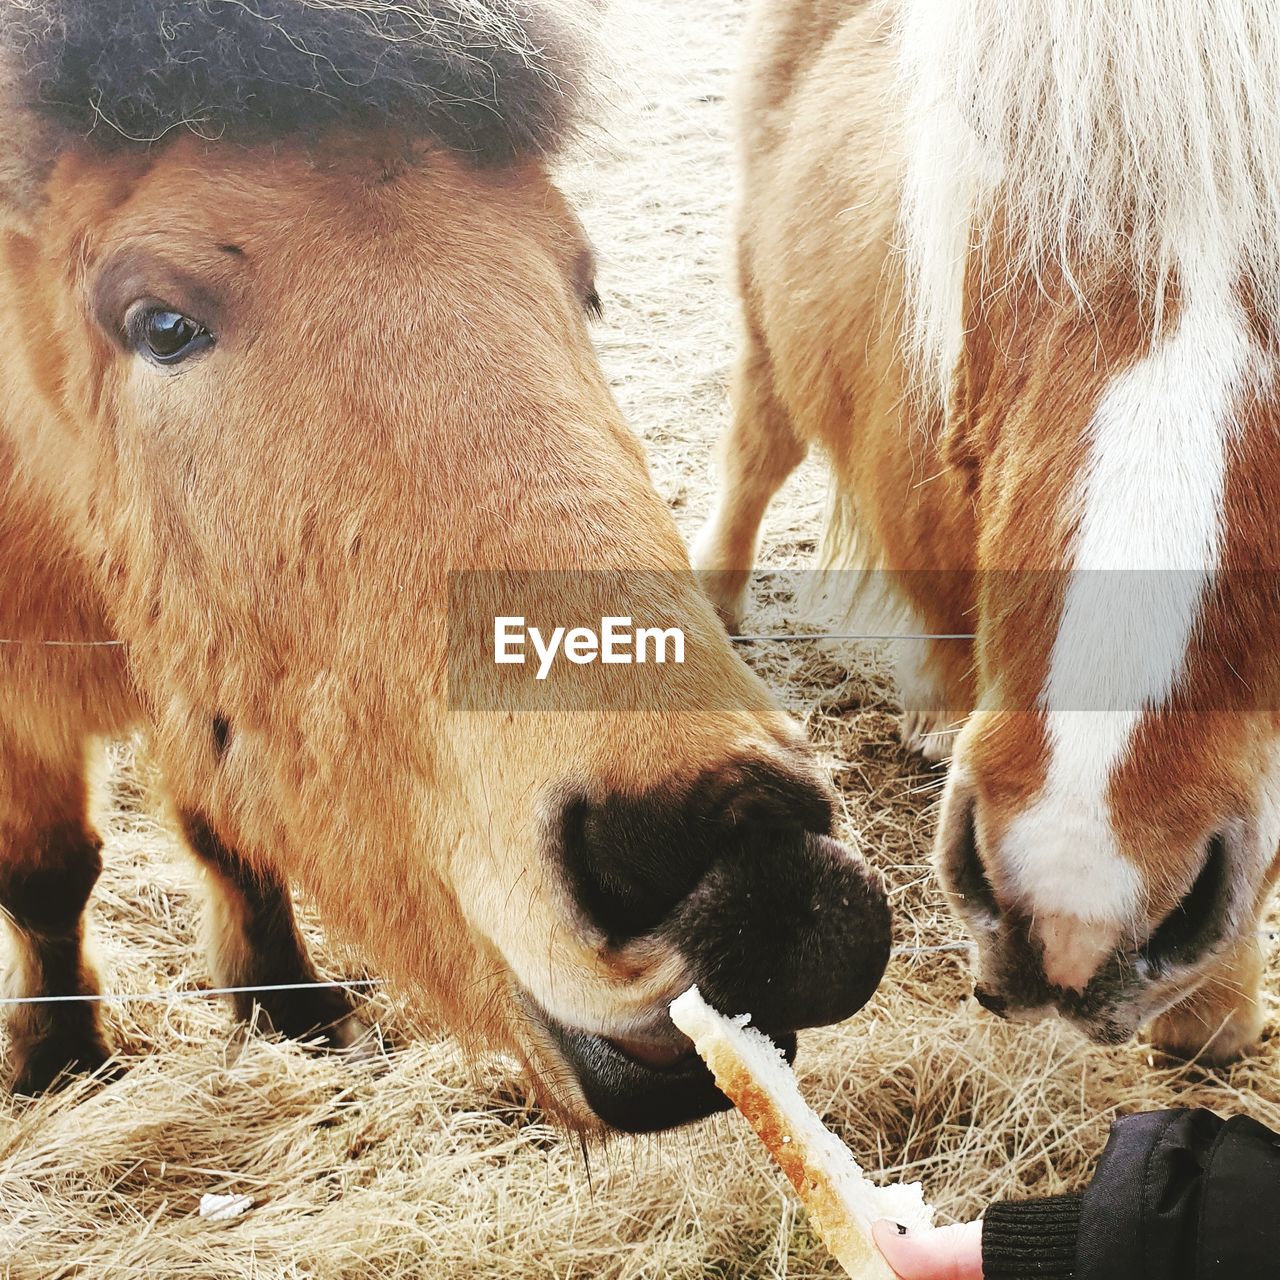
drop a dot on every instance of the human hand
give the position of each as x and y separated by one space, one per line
945 1253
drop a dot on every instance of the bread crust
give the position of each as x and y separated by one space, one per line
838 1228
841 1201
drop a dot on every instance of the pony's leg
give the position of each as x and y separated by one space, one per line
1223 1016
50 858
254 942
757 453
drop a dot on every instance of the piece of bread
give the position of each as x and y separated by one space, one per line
842 1202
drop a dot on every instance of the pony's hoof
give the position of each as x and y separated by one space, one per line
357 1040
52 1062
324 1018
1188 1034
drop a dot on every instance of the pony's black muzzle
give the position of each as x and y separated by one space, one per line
741 877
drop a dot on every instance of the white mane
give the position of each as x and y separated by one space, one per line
1144 130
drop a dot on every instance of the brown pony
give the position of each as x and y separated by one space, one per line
293 323
1013 268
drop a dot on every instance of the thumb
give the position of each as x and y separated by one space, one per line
944 1253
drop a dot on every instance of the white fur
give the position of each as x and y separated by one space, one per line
1150 502
1112 129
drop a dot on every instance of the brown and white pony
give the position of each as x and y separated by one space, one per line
1014 269
294 323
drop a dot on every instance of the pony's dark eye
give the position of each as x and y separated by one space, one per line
167 337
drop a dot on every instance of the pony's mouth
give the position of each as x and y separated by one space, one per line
657 1055
640 1084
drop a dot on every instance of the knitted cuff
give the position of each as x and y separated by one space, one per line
1031 1238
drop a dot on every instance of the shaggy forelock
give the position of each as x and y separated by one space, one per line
493 78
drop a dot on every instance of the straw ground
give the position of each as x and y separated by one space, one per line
421 1166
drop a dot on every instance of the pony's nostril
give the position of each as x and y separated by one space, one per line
1201 919
631 860
629 863
991 1002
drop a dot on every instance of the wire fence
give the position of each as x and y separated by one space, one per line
204 993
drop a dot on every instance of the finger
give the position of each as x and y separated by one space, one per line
946 1253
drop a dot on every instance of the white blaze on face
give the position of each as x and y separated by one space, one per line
1149 502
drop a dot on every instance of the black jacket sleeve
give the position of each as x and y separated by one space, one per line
1178 1195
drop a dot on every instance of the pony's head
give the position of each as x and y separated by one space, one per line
294 324
1091 217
